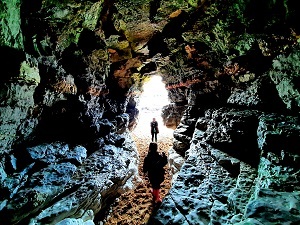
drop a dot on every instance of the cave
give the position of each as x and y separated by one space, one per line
76 103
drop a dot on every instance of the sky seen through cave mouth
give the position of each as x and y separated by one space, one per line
153 98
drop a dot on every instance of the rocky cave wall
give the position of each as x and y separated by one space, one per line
235 156
68 94
72 73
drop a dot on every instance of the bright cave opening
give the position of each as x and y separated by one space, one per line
153 98
150 103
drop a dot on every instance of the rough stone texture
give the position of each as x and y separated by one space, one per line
10 30
261 94
279 207
16 103
59 107
74 71
234 132
175 161
172 114
222 186
78 184
199 192
287 83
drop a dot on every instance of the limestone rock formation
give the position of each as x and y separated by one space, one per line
237 176
72 73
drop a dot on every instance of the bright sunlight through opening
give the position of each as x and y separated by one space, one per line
151 102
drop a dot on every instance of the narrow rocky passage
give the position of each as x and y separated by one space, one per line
136 206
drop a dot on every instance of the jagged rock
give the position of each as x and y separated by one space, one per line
216 187
183 133
175 162
122 123
75 188
133 113
16 103
270 206
200 185
178 95
11 28
234 131
180 146
75 222
201 124
172 114
182 138
258 95
72 69
30 195
119 50
57 152
287 82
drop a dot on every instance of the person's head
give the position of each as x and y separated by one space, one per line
153 147
154 119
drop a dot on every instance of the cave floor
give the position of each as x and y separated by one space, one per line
136 206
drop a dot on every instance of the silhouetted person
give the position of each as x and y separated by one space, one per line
154 166
154 129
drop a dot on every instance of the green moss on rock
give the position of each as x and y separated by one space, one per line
91 17
244 43
286 75
84 16
10 24
29 73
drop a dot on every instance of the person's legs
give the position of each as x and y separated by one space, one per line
156 195
156 191
152 136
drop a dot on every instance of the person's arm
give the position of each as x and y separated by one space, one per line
164 159
145 165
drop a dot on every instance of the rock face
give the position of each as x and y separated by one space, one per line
65 114
64 182
234 156
234 174
74 71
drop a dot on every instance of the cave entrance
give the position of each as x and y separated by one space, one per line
153 98
151 102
